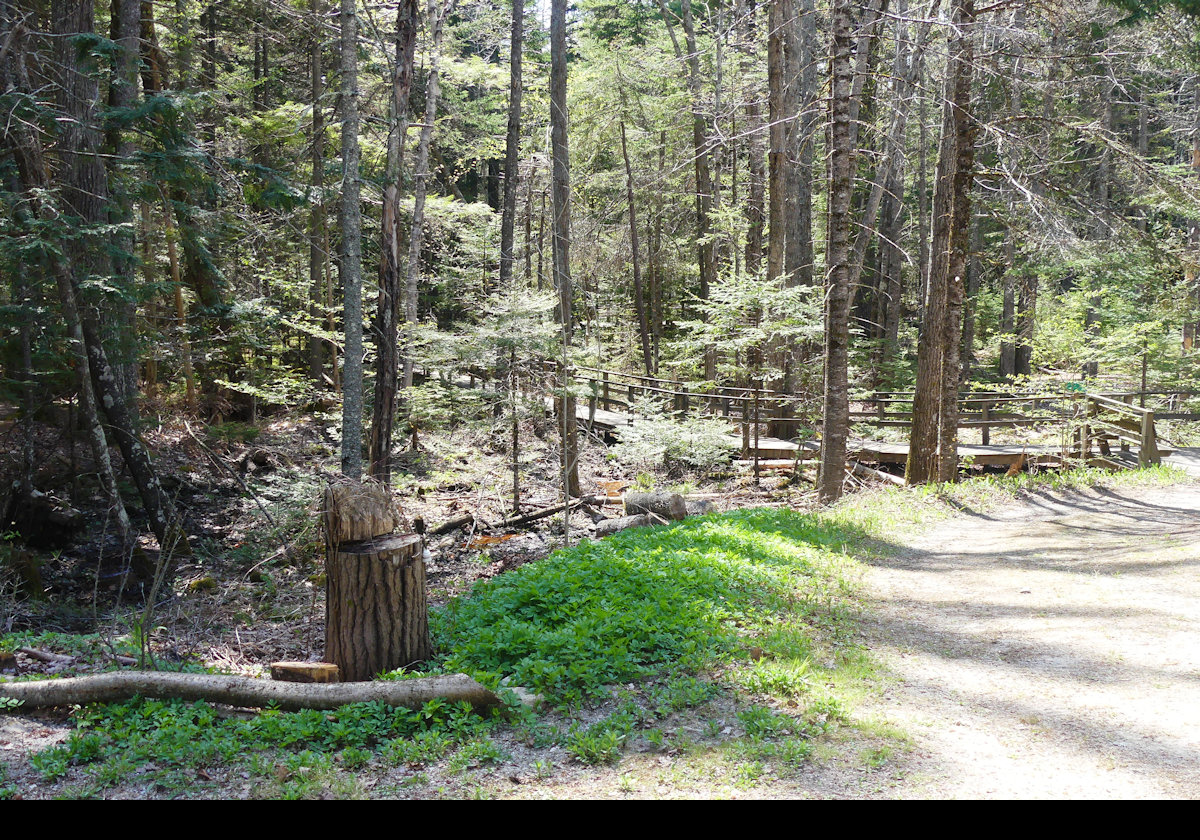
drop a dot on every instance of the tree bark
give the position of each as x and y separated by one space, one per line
778 118
376 613
800 50
437 13
245 692
933 451
639 297
512 147
350 257
387 310
561 199
316 218
836 406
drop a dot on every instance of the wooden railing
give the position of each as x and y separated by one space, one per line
1079 418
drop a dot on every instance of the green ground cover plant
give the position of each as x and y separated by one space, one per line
755 608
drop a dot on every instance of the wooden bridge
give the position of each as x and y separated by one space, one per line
1010 430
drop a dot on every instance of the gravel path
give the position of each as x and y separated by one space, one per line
1050 650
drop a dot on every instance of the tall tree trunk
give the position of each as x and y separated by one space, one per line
800 50
121 315
639 296
350 257
836 406
561 189
701 158
755 185
316 218
962 69
778 20
1008 347
387 310
512 147
437 12
27 151
933 451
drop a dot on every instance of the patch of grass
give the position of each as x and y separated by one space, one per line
646 601
175 735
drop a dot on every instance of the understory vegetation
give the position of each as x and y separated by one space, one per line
727 643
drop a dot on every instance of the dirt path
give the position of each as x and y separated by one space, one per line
1048 650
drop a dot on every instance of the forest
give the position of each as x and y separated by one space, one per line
516 263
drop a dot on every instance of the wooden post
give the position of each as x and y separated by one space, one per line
985 429
1148 456
745 428
756 449
604 403
376 610
1145 366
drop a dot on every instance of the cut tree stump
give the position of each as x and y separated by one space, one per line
355 512
376 613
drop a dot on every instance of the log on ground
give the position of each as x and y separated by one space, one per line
243 691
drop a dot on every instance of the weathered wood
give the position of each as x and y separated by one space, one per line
608 527
376 611
452 524
358 511
305 672
244 692
667 505
863 471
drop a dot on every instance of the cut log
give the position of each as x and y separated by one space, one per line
244 692
305 672
376 614
667 505
608 527
355 512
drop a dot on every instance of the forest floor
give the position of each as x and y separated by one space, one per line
1043 646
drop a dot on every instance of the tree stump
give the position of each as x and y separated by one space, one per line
375 614
375 609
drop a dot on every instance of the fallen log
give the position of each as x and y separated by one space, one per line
863 471
533 516
452 524
46 656
245 692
